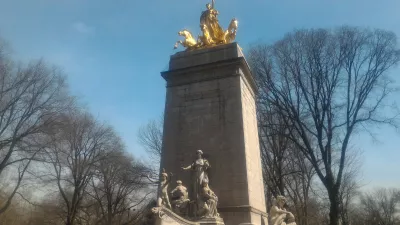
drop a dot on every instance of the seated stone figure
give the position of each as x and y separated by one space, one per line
207 202
279 215
180 200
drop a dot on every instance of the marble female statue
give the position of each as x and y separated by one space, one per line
279 215
207 202
199 167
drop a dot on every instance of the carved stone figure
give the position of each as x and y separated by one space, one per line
207 202
163 199
279 215
180 200
199 167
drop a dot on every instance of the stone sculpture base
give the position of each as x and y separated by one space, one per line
211 221
165 216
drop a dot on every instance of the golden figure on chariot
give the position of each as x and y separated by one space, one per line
212 32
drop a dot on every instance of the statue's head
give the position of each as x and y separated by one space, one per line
280 200
182 32
205 183
164 175
179 182
234 24
199 154
208 5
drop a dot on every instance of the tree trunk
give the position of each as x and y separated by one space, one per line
69 221
334 211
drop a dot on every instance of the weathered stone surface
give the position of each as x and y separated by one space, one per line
210 105
165 216
211 221
204 56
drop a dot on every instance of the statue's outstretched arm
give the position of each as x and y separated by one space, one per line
188 167
151 179
173 191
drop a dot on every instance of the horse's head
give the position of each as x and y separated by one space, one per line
185 33
180 33
233 24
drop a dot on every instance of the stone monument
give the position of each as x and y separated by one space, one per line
210 105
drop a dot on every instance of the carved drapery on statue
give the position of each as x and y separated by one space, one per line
199 167
205 204
212 33
180 200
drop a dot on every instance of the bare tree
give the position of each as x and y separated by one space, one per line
80 143
275 150
350 188
150 137
299 187
119 188
381 207
30 99
285 170
328 85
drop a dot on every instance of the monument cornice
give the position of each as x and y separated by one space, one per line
171 76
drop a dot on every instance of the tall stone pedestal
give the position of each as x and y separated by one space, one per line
210 105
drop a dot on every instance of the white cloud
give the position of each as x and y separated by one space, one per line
82 28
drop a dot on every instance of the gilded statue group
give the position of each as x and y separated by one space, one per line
212 32
204 204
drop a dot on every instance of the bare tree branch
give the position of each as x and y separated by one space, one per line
325 85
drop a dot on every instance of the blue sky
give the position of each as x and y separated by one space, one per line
114 51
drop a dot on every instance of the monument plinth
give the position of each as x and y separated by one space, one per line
210 105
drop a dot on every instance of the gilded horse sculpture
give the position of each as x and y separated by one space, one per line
230 34
212 33
189 41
